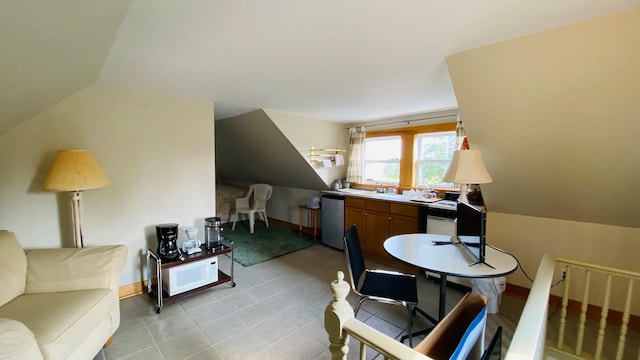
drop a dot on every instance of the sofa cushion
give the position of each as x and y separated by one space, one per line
13 267
17 342
60 321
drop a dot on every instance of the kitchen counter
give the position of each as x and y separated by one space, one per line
399 198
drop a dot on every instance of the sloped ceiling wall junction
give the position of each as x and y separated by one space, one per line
555 115
251 148
50 50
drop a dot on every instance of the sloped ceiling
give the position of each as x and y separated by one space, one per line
555 115
50 50
251 148
335 60
357 61
346 61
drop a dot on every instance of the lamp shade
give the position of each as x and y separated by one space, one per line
75 170
467 167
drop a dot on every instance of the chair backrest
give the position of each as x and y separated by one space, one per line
354 256
261 193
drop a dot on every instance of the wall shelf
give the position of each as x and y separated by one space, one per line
317 155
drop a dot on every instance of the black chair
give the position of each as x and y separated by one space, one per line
379 285
494 350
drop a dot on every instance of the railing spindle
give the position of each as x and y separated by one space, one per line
625 322
583 313
603 318
563 310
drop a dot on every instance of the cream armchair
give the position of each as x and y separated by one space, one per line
57 303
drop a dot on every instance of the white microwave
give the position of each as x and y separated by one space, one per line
185 277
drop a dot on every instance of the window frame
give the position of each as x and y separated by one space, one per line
379 161
418 161
407 163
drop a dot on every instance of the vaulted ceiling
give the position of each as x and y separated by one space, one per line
345 61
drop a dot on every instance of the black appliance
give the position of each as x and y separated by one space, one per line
168 241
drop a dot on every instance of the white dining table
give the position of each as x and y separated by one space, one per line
437 254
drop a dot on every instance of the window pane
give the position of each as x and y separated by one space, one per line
436 146
383 148
382 159
431 173
433 155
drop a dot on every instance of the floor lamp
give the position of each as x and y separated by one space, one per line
75 171
466 168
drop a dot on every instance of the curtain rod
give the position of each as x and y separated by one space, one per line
408 122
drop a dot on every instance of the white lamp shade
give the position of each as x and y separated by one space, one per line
467 167
75 170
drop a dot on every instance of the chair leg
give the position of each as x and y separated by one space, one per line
264 214
355 312
235 218
410 315
252 222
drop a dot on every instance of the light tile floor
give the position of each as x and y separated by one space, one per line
275 312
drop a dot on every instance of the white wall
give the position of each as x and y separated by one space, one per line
555 115
529 238
158 152
305 133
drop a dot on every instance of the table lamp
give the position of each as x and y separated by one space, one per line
75 171
466 168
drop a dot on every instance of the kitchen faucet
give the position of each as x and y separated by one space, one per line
379 188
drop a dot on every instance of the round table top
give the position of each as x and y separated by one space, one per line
451 259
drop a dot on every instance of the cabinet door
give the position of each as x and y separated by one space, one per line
404 225
377 231
354 216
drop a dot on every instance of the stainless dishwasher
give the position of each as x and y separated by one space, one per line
332 223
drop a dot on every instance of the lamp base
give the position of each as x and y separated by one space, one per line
475 196
463 194
76 214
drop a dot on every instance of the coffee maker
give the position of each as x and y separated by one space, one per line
212 231
168 241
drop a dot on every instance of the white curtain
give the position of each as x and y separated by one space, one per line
356 142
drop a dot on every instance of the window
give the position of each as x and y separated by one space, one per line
433 154
382 159
410 157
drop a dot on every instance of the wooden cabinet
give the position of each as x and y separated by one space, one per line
377 220
376 231
404 219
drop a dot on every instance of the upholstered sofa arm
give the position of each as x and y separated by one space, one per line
17 342
69 269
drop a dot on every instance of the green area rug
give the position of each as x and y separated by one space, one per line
265 243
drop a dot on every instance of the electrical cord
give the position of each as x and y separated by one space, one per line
517 261
564 273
